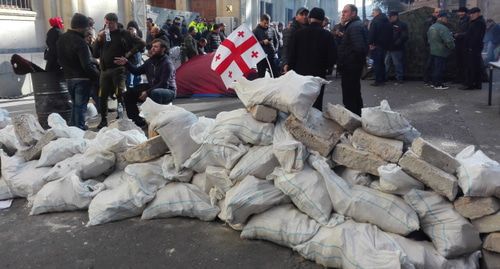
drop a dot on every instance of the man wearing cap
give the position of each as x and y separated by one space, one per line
111 43
379 39
74 56
473 43
428 65
351 58
313 51
300 21
463 24
397 47
441 45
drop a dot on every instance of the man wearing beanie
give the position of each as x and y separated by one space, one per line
473 43
75 59
313 51
111 43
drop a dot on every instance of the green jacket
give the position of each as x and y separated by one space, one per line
440 40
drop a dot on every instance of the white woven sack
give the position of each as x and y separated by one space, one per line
251 196
5 192
290 153
354 245
478 175
307 191
387 211
284 225
394 180
226 156
290 93
259 161
172 174
451 233
66 194
61 149
354 177
181 200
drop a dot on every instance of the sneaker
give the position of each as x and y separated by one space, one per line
104 123
441 87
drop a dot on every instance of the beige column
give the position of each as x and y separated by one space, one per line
127 12
182 5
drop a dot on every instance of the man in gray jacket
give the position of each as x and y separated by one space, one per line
441 44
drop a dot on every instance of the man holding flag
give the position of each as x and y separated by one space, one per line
268 39
236 55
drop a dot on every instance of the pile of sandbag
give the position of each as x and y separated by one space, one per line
342 190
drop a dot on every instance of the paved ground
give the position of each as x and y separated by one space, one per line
451 119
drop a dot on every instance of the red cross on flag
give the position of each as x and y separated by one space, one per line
237 54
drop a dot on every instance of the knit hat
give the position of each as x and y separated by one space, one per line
317 13
474 10
393 13
56 22
442 13
302 11
79 21
462 9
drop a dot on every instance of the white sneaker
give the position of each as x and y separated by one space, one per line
442 87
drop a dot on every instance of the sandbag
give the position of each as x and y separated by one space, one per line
174 124
172 174
66 194
382 121
4 118
8 140
387 211
5 192
251 196
259 161
284 225
226 156
354 177
423 255
290 93
307 190
394 180
181 200
92 164
23 178
478 175
451 233
354 245
200 181
140 184
61 149
116 141
218 179
63 168
61 128
290 153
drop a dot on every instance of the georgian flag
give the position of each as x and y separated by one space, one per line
236 55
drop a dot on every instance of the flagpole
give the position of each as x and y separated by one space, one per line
270 68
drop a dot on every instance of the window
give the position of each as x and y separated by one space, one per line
15 4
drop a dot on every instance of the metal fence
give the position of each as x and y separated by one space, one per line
15 4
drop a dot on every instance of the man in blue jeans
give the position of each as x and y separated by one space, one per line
396 50
441 45
75 58
379 40
161 86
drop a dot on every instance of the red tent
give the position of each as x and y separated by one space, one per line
196 78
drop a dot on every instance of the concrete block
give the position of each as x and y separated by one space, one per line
34 152
488 224
264 113
492 243
388 149
343 117
28 130
363 161
490 260
435 178
476 207
316 133
147 151
431 154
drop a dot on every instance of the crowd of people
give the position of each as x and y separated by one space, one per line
108 62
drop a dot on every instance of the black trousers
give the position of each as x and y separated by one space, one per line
461 63
262 66
351 89
474 70
318 104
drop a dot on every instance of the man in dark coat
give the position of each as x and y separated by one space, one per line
51 52
300 21
473 43
395 53
75 58
463 24
161 86
268 39
213 39
379 39
351 58
313 51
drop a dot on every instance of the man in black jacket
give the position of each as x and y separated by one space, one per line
110 43
463 24
379 39
74 56
268 39
395 53
300 21
213 39
161 86
473 43
313 51
351 58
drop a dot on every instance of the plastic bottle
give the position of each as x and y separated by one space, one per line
107 33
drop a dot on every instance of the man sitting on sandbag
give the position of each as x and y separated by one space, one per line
161 86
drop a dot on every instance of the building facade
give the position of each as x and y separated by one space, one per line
489 8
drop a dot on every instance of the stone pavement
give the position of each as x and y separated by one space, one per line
450 119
